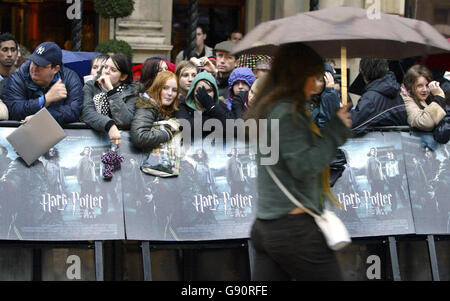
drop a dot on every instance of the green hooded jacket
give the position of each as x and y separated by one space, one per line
190 95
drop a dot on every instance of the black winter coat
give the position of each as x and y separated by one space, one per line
441 132
143 135
219 112
380 105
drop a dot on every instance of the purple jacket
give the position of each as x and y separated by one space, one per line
244 74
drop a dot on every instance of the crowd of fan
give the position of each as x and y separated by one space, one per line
117 96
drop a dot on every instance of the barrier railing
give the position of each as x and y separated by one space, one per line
162 213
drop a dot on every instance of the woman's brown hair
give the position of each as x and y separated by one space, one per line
293 65
413 74
155 93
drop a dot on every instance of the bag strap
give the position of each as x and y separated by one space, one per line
287 193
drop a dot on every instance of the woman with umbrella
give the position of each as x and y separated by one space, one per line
288 243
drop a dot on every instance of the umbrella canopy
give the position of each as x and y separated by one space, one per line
80 62
327 31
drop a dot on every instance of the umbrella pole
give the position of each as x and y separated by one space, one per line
344 75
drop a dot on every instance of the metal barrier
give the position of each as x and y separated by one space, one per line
188 248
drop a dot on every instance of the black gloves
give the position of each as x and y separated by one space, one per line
239 98
238 105
204 99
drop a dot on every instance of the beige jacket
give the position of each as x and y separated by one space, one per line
422 116
3 111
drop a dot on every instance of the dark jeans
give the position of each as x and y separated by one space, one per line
292 248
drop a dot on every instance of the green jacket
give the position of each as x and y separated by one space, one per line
190 95
303 156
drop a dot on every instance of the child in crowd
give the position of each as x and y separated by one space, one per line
185 72
424 99
239 83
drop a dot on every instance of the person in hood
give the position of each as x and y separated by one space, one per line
323 106
381 103
159 103
424 99
239 84
109 101
203 97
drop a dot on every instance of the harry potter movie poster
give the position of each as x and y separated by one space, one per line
212 198
428 169
62 195
373 189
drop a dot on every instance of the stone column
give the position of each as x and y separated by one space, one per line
148 30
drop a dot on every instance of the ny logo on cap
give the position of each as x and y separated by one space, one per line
40 50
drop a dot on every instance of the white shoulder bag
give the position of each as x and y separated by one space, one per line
334 231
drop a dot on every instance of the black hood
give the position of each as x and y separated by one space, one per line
387 85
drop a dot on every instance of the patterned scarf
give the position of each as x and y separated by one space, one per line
101 101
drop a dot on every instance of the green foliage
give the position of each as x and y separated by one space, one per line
115 46
114 8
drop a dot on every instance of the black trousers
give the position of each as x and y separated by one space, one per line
292 248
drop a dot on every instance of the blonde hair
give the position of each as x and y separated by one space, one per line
184 65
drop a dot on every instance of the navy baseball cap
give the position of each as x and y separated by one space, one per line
46 53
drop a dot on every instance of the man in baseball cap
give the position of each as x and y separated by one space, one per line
45 54
43 81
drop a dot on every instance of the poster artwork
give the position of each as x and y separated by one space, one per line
373 189
429 183
61 196
214 196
